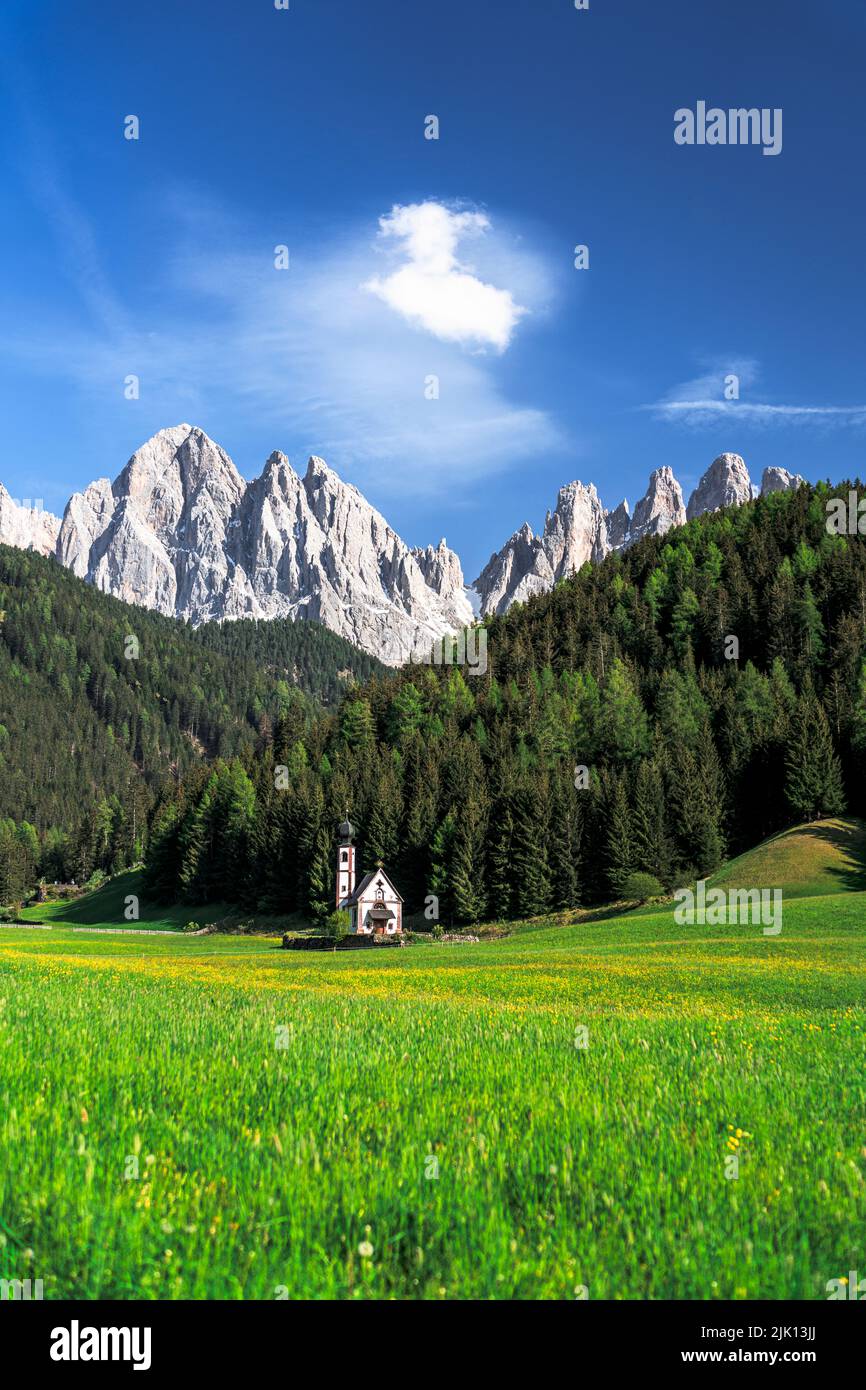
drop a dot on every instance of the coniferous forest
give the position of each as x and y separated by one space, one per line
654 714
101 703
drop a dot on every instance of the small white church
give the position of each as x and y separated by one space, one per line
374 905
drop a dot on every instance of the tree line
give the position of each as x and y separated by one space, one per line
652 714
101 703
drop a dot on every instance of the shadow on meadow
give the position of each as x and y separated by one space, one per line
848 840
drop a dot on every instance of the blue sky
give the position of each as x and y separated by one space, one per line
412 258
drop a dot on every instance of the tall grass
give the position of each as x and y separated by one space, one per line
216 1118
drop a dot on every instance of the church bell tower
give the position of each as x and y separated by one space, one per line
345 862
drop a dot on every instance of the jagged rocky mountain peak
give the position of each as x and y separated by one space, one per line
726 483
618 524
181 531
277 463
441 568
579 528
660 508
779 480
27 527
317 469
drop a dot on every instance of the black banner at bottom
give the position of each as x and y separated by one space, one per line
84 1340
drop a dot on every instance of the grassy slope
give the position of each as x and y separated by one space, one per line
808 861
822 859
105 908
558 1166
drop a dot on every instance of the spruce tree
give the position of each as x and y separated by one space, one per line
623 726
441 868
309 821
695 795
565 838
382 832
14 883
232 817
532 888
467 861
160 878
500 860
418 824
813 783
810 628
194 844
356 723
322 886
652 851
619 847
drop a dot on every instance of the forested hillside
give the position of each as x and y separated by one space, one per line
101 702
711 682
300 653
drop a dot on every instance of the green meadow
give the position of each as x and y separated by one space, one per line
618 1108
106 908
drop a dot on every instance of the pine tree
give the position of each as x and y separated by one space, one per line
356 723
532 889
382 831
420 780
83 853
813 784
160 880
441 868
710 832
467 861
232 818
696 797
274 866
619 848
194 838
680 707
565 839
406 714
322 887
652 851
623 725
101 832
683 619
14 881
308 824
810 628
500 860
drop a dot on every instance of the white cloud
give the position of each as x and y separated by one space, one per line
305 360
710 385
432 289
702 401
696 412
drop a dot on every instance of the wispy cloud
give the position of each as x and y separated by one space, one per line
698 412
403 400
719 393
75 242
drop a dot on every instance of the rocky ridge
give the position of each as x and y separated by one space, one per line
25 527
181 531
580 529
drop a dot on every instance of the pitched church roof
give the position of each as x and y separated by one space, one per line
359 888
